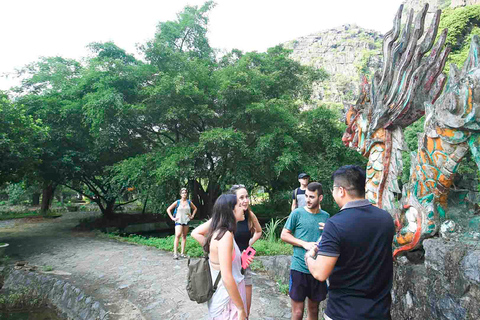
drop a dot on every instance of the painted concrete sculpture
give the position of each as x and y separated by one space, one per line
410 85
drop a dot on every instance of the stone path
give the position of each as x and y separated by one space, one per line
133 282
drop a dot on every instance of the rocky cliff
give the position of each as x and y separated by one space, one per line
349 52
346 53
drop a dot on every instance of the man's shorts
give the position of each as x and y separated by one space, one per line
304 285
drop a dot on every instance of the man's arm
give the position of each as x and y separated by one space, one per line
288 237
294 205
322 267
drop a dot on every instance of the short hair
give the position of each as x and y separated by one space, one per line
352 179
315 186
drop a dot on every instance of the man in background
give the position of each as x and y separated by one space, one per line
299 193
302 229
355 252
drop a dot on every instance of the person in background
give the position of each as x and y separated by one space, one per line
355 252
302 229
247 233
181 215
299 193
229 300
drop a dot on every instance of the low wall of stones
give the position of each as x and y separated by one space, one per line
442 284
66 298
277 267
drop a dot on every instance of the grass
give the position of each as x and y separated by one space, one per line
257 265
20 215
283 287
272 231
47 268
193 249
268 245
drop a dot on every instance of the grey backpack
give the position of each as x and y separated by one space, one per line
200 287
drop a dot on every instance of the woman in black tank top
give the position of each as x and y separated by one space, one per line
248 231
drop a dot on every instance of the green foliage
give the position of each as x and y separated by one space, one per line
21 298
121 128
459 22
16 193
362 64
273 229
7 215
411 139
193 249
283 287
267 248
257 265
21 139
47 268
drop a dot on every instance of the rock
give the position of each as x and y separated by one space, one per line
345 53
447 228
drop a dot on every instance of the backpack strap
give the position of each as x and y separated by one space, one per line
175 211
217 281
296 192
215 285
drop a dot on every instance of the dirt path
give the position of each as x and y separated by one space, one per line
133 282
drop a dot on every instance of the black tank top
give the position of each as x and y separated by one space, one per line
243 234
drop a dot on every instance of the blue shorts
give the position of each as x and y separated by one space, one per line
181 224
304 285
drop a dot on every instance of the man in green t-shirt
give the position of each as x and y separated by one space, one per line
302 230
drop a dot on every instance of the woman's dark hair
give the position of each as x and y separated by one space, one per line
249 211
223 219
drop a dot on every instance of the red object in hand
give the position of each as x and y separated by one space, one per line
247 257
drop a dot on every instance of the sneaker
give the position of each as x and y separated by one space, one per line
183 256
175 257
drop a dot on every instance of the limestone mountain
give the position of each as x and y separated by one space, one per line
345 53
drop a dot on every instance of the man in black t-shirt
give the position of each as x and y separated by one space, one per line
355 253
298 196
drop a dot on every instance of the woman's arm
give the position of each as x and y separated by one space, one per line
257 227
225 249
200 232
194 210
169 211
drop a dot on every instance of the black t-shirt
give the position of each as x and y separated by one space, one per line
243 234
361 237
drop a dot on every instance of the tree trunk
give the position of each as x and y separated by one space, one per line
36 199
145 205
47 196
108 210
204 201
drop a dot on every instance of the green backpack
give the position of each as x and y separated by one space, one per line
200 287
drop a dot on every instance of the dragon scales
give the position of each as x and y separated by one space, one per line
409 85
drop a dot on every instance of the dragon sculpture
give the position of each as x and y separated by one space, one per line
409 85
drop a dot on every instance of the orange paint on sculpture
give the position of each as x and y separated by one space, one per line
445 132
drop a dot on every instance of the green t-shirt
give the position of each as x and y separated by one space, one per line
304 226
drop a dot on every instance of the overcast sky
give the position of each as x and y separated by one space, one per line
33 28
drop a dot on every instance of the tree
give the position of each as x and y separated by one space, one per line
89 110
21 138
205 117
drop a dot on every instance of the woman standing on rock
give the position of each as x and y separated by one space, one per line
229 300
248 231
182 215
